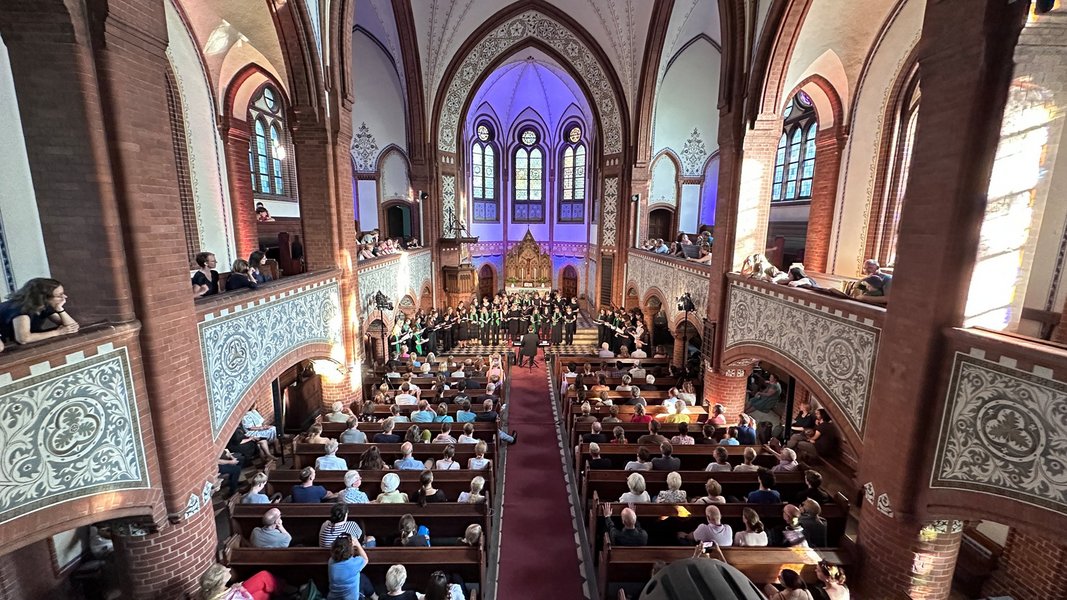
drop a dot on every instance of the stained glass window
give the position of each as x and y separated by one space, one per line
267 148
486 207
528 204
794 160
572 175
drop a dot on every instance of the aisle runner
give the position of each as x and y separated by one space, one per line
538 554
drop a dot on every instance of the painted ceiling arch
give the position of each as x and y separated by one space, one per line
513 34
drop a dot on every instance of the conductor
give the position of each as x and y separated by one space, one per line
528 346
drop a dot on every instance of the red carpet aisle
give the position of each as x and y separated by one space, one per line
538 554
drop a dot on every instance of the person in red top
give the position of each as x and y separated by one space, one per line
640 416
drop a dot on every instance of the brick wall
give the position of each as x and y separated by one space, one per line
902 559
728 388
29 574
1031 568
167 564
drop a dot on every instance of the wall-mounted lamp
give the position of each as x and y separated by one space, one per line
334 371
635 198
422 195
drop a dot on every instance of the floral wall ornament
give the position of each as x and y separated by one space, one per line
694 155
883 505
364 150
611 209
192 506
1004 432
868 492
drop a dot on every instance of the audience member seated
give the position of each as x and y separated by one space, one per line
666 462
661 247
412 534
255 426
479 461
766 494
613 415
875 283
406 462
792 533
337 524
262 214
674 493
338 414
814 490
787 460
595 460
729 438
605 351
637 493
683 438
352 494
595 435
721 462
230 466
353 435
423 413
631 533
427 493
314 435
404 397
386 435
255 493
395 578
240 277
261 586
445 437
718 416
746 430
345 569
257 261
819 442
747 465
447 462
763 404
676 412
307 491
643 462
798 278
714 531
813 523
754 534
272 533
467 437
330 461
371 460
832 578
653 436
704 257
442 415
714 490
474 496
390 493
206 279
790 587
640 416
35 313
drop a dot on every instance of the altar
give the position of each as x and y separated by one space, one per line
527 268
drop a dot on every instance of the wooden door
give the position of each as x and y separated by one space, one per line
486 285
660 225
568 286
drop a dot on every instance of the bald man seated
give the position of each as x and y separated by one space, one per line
271 534
712 531
631 533
407 462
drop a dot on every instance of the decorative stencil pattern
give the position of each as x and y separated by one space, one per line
407 273
531 24
694 154
364 150
70 432
1004 432
448 203
238 347
837 352
644 272
611 208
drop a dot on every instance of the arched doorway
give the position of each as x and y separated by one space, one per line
486 283
661 224
398 221
374 340
689 336
568 285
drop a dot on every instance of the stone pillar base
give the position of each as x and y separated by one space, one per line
726 387
906 559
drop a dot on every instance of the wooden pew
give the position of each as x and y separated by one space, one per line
482 429
451 482
611 484
445 520
297 565
697 414
664 521
620 564
305 454
383 410
636 430
694 458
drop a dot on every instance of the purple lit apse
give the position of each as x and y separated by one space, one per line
531 144
709 192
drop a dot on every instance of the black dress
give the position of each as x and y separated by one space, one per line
557 329
212 286
239 281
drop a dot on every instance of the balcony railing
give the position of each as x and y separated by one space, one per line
75 427
1003 441
672 276
243 334
833 340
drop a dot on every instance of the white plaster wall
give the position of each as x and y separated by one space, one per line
837 32
687 99
689 212
367 191
207 166
664 186
379 98
18 203
1053 221
860 158
393 177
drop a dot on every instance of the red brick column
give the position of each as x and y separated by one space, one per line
169 563
828 145
906 559
1029 569
235 137
727 387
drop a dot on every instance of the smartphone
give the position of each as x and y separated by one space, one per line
707 546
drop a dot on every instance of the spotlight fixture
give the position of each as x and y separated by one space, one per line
635 198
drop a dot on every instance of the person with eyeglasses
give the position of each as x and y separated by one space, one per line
35 313
345 568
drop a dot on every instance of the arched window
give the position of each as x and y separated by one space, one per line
896 177
794 162
268 147
483 176
528 205
572 174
